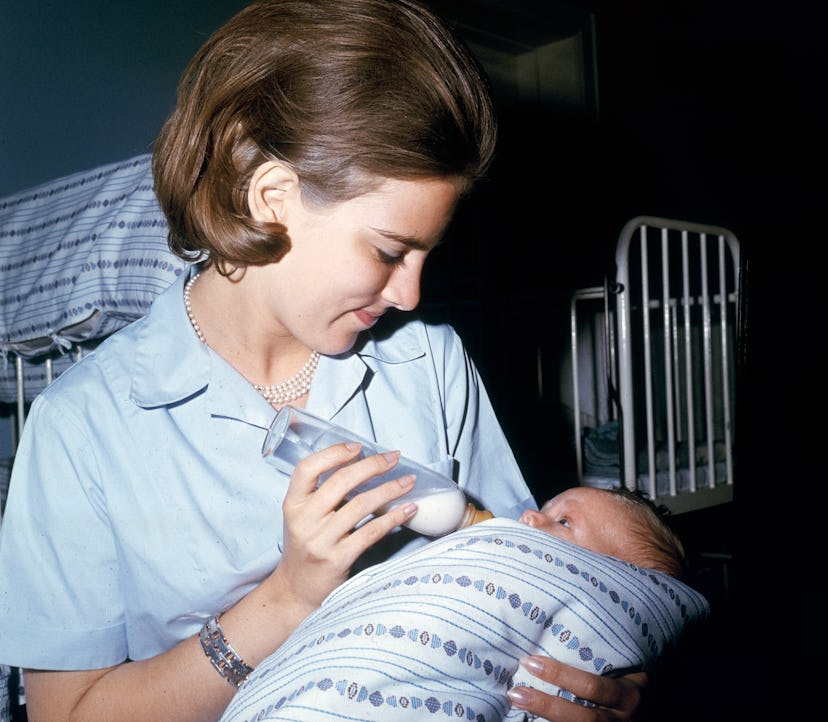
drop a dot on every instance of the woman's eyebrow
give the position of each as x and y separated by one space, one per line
409 241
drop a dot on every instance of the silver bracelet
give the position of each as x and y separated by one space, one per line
224 658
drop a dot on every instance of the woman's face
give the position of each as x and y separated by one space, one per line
349 263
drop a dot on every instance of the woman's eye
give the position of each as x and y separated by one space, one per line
388 259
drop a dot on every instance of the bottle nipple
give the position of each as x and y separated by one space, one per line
474 515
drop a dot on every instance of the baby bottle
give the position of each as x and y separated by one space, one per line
441 505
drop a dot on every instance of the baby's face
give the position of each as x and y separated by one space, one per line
586 516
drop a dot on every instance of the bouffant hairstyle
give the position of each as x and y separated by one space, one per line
346 93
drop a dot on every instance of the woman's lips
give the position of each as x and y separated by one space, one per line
366 318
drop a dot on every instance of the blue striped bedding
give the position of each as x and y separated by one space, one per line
80 257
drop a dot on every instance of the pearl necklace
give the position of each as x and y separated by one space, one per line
296 386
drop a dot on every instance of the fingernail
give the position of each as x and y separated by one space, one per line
531 664
407 481
352 445
410 509
518 696
391 455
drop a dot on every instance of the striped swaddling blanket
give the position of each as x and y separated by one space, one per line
438 633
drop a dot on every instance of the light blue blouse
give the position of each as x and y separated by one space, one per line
140 503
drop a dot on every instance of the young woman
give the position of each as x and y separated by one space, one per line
315 157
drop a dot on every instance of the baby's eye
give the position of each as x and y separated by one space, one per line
564 521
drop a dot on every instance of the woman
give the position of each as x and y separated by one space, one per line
315 157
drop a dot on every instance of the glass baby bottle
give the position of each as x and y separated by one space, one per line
441 505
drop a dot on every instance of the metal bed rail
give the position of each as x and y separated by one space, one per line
677 288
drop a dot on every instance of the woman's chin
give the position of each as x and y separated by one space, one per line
338 346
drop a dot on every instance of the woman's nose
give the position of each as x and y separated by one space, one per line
403 288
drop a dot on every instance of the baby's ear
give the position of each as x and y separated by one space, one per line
530 517
273 186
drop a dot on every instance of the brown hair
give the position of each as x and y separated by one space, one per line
656 545
345 92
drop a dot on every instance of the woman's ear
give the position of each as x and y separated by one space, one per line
272 185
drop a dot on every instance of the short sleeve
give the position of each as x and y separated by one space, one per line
52 489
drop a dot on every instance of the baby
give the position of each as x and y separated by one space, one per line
442 629
617 522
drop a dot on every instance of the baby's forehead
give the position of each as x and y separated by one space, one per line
573 496
585 500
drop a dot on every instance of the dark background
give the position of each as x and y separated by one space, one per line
706 111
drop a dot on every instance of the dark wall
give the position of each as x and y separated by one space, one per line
89 82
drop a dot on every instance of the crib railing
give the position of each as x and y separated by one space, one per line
30 377
602 364
674 304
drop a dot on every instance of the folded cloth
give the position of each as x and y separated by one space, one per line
602 450
682 456
439 631
81 256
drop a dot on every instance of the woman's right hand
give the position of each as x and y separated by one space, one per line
320 539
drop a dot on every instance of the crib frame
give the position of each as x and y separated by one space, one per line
672 320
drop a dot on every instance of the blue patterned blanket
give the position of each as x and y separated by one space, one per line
80 257
438 633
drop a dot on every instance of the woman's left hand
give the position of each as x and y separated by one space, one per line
616 699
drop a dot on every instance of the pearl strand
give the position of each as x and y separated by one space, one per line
293 388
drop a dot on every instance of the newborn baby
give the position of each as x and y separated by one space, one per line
442 629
